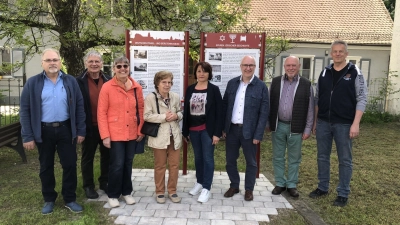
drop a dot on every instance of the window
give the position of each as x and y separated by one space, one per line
107 59
307 63
5 62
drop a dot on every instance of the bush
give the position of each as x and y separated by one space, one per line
374 117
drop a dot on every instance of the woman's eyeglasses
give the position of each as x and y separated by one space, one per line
120 66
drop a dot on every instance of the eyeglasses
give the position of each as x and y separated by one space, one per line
51 60
248 65
120 66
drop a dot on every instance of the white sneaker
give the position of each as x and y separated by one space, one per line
204 196
113 202
129 199
196 189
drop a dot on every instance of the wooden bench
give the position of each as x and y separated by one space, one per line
10 136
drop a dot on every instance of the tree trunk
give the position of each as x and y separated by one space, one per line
72 54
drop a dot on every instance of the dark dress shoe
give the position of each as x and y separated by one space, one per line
91 193
248 195
230 192
278 190
293 192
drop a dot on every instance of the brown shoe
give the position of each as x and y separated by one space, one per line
248 196
278 190
230 192
293 192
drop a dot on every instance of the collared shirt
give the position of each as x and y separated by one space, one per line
238 107
54 100
287 98
286 103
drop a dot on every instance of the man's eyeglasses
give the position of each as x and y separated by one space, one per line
51 60
120 66
248 65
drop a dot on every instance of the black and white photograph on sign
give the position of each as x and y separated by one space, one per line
140 54
198 104
216 68
143 83
215 56
216 78
140 67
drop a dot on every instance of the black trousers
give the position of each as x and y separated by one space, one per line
58 139
89 147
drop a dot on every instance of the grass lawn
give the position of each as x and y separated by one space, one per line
374 198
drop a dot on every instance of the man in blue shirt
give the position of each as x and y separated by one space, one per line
52 117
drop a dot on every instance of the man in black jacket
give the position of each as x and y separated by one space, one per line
90 83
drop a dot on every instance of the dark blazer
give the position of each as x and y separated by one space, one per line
30 112
214 112
256 107
84 87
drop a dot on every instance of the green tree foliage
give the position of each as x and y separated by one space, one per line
390 5
74 26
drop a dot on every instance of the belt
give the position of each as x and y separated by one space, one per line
287 122
237 124
56 124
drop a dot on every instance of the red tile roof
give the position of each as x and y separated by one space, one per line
355 21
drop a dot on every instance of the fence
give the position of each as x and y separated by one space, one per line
10 94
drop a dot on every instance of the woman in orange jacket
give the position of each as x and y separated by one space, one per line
119 125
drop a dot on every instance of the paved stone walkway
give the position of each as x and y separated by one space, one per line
218 210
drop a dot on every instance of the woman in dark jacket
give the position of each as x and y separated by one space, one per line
202 125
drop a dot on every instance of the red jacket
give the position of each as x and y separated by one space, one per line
116 111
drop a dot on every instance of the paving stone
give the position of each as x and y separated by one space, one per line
174 221
218 208
222 222
213 202
148 200
266 193
257 217
232 202
136 179
241 222
233 216
179 207
150 221
139 188
143 194
253 204
143 212
188 214
244 210
274 205
288 206
157 206
147 183
190 200
165 213
202 208
262 199
128 220
215 191
217 196
279 198
198 222
268 211
138 205
120 212
211 215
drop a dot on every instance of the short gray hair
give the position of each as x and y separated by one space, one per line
51 50
92 53
339 42
121 59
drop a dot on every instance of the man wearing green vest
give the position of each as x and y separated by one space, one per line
291 121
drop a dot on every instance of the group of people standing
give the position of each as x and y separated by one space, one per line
58 111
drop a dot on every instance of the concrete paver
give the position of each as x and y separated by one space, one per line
218 210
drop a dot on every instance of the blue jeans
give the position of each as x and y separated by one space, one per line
203 157
283 139
234 140
326 132
120 170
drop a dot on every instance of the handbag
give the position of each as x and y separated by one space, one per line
151 129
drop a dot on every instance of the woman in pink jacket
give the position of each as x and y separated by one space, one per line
119 127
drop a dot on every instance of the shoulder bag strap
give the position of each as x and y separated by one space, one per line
137 108
158 108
